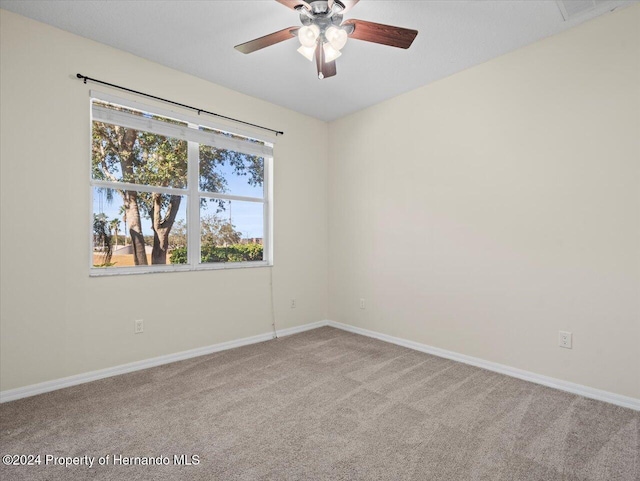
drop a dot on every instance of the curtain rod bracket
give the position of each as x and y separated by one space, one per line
85 79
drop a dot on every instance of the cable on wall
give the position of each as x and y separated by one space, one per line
273 310
200 111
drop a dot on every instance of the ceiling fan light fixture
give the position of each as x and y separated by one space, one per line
308 35
337 37
330 53
306 52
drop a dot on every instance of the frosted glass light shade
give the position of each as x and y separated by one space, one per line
306 52
308 35
330 53
336 37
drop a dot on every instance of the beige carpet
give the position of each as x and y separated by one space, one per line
322 405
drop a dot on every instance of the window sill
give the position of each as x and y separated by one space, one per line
126 271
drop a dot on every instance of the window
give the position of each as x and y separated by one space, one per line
172 194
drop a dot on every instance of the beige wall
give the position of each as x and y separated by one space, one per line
485 212
56 321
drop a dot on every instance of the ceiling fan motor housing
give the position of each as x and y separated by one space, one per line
320 11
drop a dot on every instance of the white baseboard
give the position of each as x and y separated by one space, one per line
43 387
589 392
598 394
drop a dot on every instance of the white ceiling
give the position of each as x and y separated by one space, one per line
197 37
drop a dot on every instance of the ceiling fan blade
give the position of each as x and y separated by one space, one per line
295 4
346 4
267 40
384 34
329 69
325 69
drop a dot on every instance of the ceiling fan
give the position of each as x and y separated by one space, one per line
323 33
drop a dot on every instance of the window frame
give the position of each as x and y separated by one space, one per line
192 194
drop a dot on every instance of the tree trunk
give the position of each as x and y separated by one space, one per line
130 197
160 246
162 227
135 227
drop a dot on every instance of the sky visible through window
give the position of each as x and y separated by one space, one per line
246 216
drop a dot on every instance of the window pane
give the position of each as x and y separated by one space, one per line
231 135
231 231
123 233
226 171
121 154
101 104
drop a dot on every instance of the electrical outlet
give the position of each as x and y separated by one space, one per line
565 339
138 326
293 303
361 303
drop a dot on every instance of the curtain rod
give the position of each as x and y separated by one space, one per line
200 111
